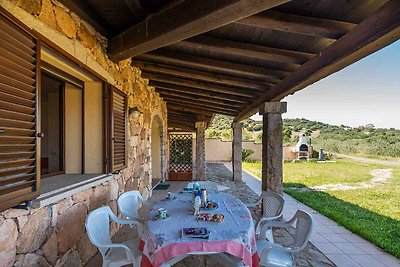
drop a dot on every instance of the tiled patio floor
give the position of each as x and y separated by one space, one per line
341 246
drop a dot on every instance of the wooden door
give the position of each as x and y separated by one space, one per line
180 156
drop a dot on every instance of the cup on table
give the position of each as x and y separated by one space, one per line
162 213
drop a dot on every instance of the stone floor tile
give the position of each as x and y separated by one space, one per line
339 229
342 260
323 229
327 248
366 260
370 248
388 260
353 238
315 237
333 238
349 248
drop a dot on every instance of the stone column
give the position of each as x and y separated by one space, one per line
237 151
272 154
200 150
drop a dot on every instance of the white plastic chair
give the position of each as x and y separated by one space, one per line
272 204
209 186
128 204
274 255
114 254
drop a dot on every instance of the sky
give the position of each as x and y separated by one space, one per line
367 91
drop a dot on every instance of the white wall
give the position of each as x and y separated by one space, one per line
218 150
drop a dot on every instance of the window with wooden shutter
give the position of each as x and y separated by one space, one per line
119 130
19 71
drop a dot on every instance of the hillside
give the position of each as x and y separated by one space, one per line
362 140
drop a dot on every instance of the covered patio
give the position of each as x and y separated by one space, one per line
96 91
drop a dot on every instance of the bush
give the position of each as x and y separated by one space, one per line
246 153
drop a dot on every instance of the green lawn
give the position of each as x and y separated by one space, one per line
372 213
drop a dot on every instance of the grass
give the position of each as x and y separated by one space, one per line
372 213
313 173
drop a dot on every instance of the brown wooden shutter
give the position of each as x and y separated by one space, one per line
19 72
119 129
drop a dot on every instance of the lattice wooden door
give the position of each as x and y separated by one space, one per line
180 156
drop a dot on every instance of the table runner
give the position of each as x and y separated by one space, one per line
161 240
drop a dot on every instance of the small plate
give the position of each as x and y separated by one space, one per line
157 217
215 206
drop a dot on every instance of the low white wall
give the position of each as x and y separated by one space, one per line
218 150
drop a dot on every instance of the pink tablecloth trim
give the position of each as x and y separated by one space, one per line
175 249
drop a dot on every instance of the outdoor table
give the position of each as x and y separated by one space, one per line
161 240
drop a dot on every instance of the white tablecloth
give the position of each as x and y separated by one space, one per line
235 235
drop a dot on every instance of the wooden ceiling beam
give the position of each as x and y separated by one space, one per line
200 92
189 96
201 75
200 85
317 27
190 18
199 103
197 110
188 116
136 9
380 29
214 65
247 50
87 13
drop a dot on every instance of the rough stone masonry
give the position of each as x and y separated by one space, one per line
55 235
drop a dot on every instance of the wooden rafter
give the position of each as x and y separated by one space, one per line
247 50
214 65
184 89
201 75
200 103
136 9
380 29
195 17
199 85
201 106
192 97
191 109
317 27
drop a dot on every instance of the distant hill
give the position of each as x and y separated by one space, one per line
362 140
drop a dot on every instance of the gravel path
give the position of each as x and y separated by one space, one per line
380 176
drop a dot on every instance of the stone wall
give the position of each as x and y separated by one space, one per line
55 235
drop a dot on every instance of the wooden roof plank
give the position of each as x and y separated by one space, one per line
286 22
380 29
200 103
200 92
214 65
190 109
195 17
163 93
247 50
201 75
199 85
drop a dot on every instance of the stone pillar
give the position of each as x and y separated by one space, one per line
272 154
237 151
201 150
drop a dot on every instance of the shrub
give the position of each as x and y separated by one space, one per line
246 153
